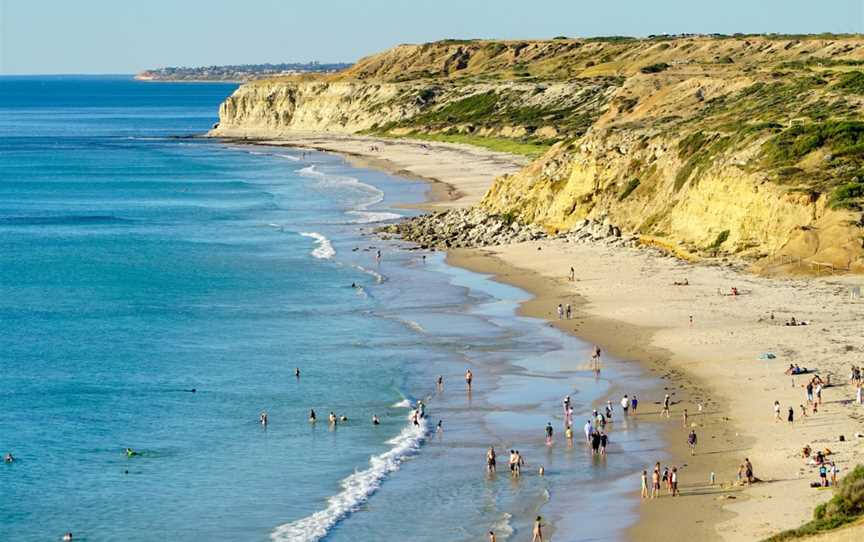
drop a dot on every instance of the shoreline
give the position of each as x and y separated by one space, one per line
626 303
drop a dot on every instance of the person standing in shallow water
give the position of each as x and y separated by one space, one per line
538 530
644 493
469 377
549 432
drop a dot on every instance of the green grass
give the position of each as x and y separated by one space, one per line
846 506
847 196
851 82
799 140
499 144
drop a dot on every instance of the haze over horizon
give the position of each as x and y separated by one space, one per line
40 37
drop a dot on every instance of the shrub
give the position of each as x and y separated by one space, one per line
844 195
631 186
721 238
655 68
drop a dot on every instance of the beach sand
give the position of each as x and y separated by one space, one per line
626 303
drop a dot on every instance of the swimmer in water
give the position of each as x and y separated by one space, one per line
67 537
130 452
312 417
440 427
375 420
8 458
353 284
263 418
343 418
332 418
297 372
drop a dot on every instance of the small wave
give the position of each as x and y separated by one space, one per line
64 220
356 489
370 217
324 250
415 326
404 403
361 211
289 157
379 278
503 529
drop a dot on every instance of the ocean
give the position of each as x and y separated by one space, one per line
158 291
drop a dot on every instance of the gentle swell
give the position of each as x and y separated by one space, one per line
356 489
324 250
65 220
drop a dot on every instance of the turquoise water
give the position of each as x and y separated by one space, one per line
138 265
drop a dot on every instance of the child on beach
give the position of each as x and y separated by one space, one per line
644 493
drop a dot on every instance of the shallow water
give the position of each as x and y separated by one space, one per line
136 266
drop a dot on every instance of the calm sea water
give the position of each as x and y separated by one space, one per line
136 266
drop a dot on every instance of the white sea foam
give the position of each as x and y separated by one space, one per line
324 250
289 157
356 489
503 529
404 403
415 326
379 278
371 217
362 212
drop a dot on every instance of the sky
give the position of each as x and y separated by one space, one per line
124 36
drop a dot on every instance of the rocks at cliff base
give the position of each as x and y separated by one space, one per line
463 228
474 227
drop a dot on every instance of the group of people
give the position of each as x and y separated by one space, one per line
669 478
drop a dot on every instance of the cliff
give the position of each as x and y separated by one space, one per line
748 146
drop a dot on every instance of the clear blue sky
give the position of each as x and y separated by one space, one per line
119 36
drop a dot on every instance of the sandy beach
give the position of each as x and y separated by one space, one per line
714 364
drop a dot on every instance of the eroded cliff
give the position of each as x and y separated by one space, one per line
748 146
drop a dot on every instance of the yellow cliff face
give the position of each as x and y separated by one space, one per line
748 146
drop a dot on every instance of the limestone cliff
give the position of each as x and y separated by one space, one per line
751 146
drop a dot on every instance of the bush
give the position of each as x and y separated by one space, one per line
631 186
844 195
852 82
655 68
721 238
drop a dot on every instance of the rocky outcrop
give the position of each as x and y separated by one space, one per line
472 228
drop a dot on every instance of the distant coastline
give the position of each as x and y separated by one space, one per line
236 73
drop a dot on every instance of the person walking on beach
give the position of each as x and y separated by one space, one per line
673 482
633 404
568 311
538 530
469 377
748 471
809 389
691 441
572 274
625 404
491 460
644 493
549 431
777 410
665 410
684 419
790 416
560 311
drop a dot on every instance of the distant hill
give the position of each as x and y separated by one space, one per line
237 72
